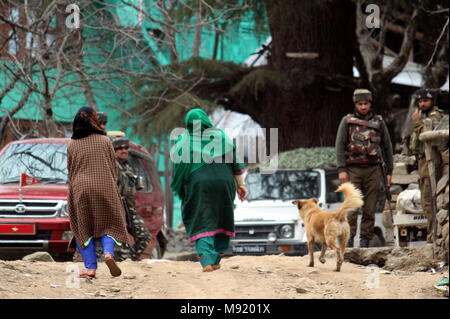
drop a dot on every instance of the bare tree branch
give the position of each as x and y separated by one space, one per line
8 117
436 45
401 59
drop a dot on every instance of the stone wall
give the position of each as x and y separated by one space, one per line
405 176
442 193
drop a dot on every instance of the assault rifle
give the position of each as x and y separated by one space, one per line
127 214
386 188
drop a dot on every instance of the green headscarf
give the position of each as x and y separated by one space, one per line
200 144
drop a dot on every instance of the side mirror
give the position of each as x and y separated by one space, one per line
140 183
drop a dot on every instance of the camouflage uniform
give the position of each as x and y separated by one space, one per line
126 182
417 148
358 144
102 117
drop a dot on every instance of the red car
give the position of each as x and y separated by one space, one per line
38 219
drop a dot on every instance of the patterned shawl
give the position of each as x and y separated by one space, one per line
86 123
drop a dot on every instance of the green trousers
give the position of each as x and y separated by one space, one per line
367 178
211 249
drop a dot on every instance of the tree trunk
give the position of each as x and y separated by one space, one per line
197 34
52 129
314 93
216 45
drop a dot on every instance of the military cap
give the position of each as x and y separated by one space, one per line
362 95
425 94
113 134
120 142
102 117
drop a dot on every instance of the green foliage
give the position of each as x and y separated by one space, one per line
306 158
210 69
167 94
160 124
257 81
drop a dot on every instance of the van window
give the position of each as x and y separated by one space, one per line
44 161
140 171
332 184
284 185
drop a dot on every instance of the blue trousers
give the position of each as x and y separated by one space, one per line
89 254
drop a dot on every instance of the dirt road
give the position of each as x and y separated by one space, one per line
243 277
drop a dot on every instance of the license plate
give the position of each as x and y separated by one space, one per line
17 229
249 249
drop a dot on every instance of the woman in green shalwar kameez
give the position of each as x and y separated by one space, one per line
206 171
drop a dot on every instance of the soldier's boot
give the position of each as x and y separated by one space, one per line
350 243
364 242
139 248
124 252
136 254
142 237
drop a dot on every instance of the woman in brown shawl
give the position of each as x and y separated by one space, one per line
95 207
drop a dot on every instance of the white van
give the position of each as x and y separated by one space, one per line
268 223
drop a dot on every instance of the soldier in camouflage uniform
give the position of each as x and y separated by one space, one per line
102 120
425 99
126 182
360 139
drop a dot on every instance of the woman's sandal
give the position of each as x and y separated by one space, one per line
87 275
113 268
208 268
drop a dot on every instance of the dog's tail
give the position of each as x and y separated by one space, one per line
353 200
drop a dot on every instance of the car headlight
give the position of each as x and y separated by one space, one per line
272 237
64 211
286 231
67 235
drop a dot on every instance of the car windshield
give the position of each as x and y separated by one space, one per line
284 185
44 161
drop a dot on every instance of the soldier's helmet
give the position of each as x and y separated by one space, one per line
425 94
102 117
120 142
362 95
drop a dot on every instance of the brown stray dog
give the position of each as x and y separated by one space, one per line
324 227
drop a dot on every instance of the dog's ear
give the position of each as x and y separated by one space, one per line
315 200
298 203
